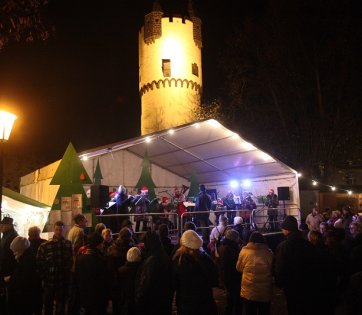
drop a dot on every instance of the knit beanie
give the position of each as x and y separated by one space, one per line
19 245
134 255
191 239
290 223
232 235
238 220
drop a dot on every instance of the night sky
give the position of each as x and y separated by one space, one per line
82 84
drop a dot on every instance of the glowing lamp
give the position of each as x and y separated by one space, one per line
148 139
314 183
349 192
246 183
6 124
333 188
299 174
234 184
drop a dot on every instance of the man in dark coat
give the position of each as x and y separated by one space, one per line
7 259
92 277
229 253
153 293
294 269
203 203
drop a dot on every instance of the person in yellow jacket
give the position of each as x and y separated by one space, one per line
255 264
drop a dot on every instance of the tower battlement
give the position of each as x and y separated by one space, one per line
170 76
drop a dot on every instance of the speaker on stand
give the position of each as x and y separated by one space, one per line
283 195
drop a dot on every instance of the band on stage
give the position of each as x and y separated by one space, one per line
174 203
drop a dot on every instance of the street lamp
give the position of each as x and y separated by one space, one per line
6 124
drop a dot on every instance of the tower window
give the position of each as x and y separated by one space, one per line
166 67
195 69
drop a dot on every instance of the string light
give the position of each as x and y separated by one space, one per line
315 182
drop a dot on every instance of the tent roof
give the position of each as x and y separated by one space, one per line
206 148
23 199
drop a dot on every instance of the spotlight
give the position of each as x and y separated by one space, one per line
148 139
314 183
246 183
299 174
333 188
349 192
234 184
171 131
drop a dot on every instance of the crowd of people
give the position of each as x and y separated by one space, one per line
318 266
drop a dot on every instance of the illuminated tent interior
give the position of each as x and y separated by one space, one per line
207 149
25 211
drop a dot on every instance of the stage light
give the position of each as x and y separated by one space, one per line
84 158
246 183
235 136
196 125
299 174
247 146
333 188
233 184
214 123
314 183
171 131
349 192
148 139
265 156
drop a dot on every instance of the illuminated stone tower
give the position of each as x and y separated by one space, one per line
170 77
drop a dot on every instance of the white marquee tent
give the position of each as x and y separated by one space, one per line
215 154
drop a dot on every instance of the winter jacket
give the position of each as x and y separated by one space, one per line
153 288
255 262
91 276
229 253
194 278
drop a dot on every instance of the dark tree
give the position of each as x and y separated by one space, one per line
22 21
293 74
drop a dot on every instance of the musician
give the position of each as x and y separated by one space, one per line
141 203
203 203
123 201
229 202
164 208
178 200
272 203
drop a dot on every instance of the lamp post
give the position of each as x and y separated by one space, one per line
6 124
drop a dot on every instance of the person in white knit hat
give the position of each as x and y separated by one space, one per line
126 281
195 275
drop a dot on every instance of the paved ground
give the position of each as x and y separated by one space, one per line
278 306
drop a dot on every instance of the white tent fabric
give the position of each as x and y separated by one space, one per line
25 212
215 154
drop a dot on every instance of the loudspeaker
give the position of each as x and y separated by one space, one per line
212 193
283 193
99 196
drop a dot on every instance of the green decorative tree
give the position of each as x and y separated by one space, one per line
70 176
194 186
98 175
146 178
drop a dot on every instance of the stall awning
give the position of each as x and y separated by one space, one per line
206 148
